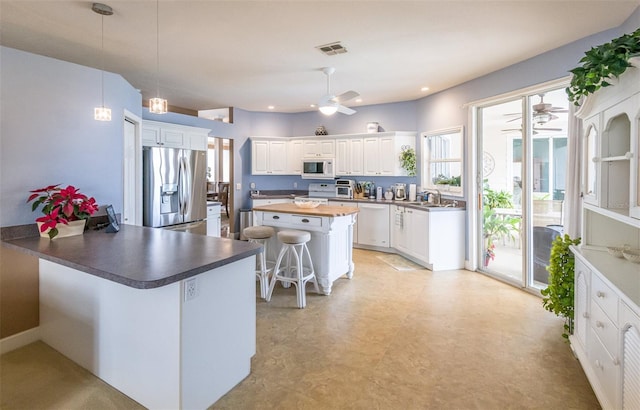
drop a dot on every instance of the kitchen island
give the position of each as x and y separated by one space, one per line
331 229
168 318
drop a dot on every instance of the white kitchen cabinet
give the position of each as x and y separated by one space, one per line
373 225
319 148
213 219
349 157
294 157
605 337
269 156
382 154
432 238
630 327
169 135
611 179
351 205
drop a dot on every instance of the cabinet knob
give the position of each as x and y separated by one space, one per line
599 324
616 361
585 315
276 217
600 294
599 365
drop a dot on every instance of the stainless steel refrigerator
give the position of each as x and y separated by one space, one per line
175 189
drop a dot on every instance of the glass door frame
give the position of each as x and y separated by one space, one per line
475 173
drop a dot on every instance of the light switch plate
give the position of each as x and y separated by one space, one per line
238 186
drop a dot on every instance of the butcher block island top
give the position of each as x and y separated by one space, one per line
320 210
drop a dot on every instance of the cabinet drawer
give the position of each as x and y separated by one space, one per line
306 220
270 217
605 329
605 370
213 210
605 297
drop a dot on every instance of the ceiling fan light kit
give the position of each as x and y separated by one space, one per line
329 103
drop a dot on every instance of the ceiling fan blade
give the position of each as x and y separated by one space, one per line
345 110
558 110
547 129
515 119
346 96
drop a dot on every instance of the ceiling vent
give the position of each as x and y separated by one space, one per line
332 49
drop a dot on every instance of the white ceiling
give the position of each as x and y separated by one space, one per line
252 54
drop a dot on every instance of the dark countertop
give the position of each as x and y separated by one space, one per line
138 257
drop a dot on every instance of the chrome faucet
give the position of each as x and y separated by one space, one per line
438 197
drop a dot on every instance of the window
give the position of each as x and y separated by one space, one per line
442 161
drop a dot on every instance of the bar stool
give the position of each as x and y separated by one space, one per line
261 235
294 243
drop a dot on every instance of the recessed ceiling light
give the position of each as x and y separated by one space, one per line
271 107
358 100
424 89
312 105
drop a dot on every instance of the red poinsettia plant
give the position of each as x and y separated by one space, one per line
61 205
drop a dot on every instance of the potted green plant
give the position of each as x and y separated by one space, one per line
602 64
61 207
408 160
493 225
558 295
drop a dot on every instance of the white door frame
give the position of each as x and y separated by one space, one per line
132 181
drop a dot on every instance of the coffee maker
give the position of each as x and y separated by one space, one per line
399 191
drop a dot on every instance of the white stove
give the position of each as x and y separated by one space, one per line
322 190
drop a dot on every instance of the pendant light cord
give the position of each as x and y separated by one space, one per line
102 59
158 48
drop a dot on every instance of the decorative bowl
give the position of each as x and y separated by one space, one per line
306 204
632 255
616 251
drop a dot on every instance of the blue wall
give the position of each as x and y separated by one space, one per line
48 134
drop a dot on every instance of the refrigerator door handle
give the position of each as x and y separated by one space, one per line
186 186
183 189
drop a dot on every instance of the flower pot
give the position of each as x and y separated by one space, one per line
71 229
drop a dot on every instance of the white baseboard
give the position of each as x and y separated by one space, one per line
19 340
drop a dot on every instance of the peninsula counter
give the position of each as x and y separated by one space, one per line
168 318
331 229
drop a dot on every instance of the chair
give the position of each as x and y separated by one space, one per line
223 195
543 238
294 244
261 235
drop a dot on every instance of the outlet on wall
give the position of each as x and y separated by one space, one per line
190 289
295 184
252 185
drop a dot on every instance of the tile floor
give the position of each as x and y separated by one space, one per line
391 339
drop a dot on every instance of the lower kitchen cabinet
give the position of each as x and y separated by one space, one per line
213 219
606 336
434 239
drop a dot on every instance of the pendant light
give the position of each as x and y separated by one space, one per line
158 105
102 113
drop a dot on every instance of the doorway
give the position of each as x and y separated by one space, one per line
522 157
220 181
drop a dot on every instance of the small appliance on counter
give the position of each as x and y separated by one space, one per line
379 193
412 192
399 191
345 188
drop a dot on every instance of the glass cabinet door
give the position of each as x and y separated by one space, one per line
590 177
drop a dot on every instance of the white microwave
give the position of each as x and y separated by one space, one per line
318 169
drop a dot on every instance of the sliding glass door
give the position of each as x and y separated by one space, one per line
522 150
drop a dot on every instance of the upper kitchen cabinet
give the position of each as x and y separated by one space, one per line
169 135
611 117
349 156
269 156
315 148
382 153
294 157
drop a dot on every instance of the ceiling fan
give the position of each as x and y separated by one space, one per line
536 130
330 104
542 112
